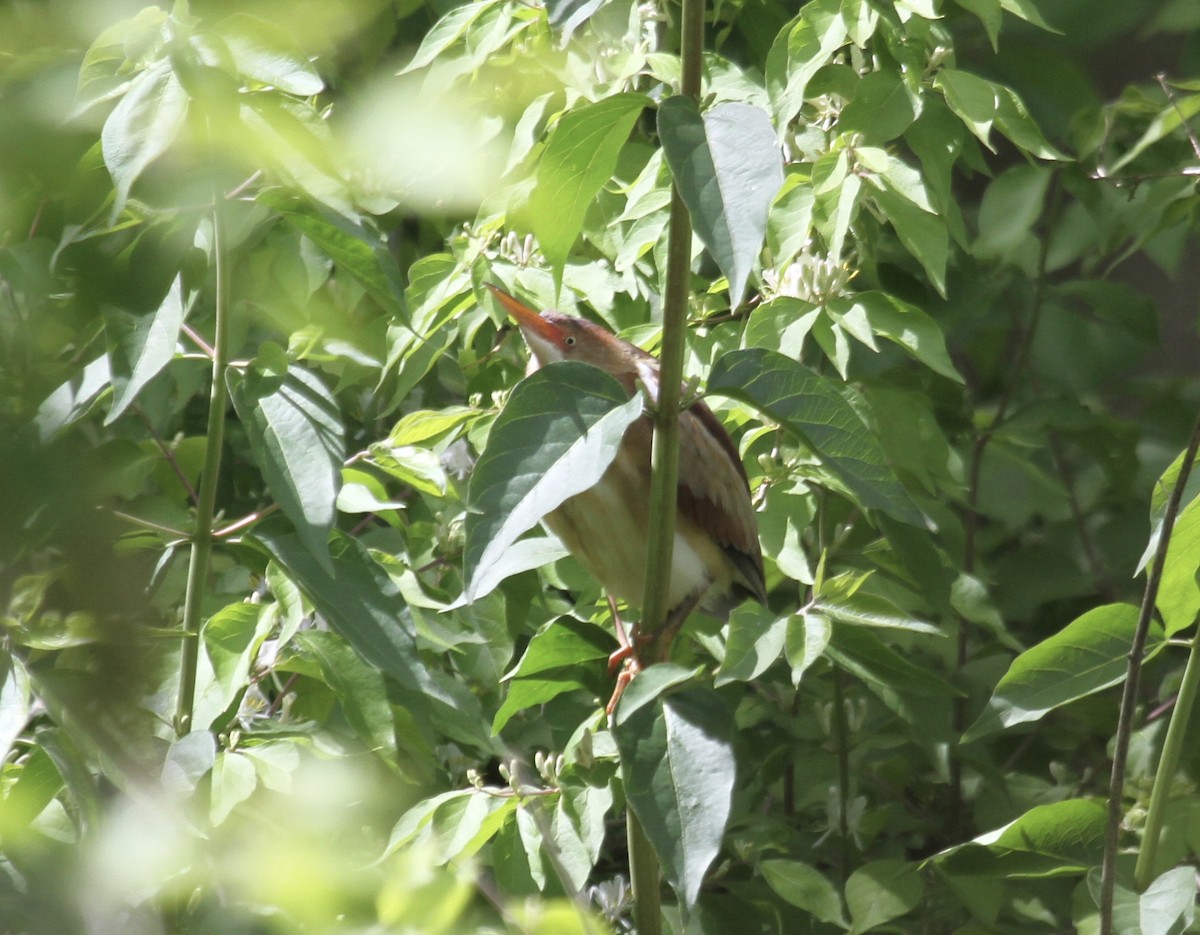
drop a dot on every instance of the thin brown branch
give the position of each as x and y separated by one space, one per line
168 454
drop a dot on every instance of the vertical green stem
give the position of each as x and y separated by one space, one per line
197 578
1164 776
841 739
643 878
643 863
1116 785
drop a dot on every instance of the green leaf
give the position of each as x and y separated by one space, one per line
359 689
233 781
756 639
882 890
187 761
882 108
231 639
558 433
563 643
1179 592
1062 838
265 53
860 652
803 48
15 699
905 325
1167 907
580 156
446 32
815 410
567 15
296 434
142 127
807 637
972 98
923 234
140 344
805 887
678 770
1011 207
1086 656
356 248
727 167
363 604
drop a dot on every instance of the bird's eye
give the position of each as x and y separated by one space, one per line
569 340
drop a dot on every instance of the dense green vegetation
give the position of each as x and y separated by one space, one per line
286 650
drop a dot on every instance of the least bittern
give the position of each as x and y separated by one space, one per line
716 561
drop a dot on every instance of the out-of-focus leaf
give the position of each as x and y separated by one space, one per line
1087 656
446 32
678 768
881 668
295 431
265 53
579 157
1167 907
140 345
1011 206
142 126
568 15
727 167
814 409
233 781
558 433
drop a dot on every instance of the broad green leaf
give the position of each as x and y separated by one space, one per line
356 248
579 157
756 639
727 167
816 411
807 637
805 887
37 783
142 126
801 49
73 399
568 15
882 890
923 234
1011 207
974 99
990 14
868 610
265 53
233 782
562 643
358 687
295 431
453 824
425 425
860 652
1062 838
678 770
361 602
1179 592
15 702
905 325
230 638
140 344
525 693
103 74
446 32
558 433
1014 121
882 108
1167 907
187 761
1087 656
790 222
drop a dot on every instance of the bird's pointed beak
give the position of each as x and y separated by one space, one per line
529 321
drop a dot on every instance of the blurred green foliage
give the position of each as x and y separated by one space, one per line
981 260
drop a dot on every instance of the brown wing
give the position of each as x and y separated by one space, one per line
714 493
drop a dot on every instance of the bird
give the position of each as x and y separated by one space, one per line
717 561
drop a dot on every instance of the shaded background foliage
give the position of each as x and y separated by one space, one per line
1016 322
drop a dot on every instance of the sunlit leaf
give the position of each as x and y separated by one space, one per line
579 157
815 410
727 166
678 768
556 436
1088 655
140 345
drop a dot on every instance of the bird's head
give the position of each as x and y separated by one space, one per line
553 336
